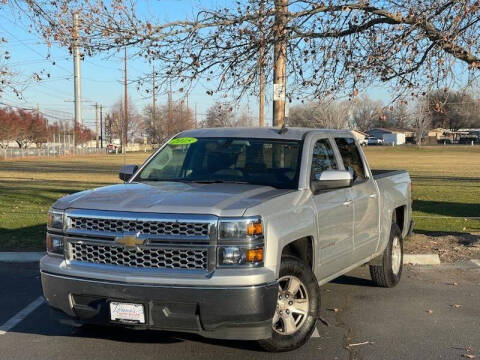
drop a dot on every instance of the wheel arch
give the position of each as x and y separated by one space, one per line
399 216
301 248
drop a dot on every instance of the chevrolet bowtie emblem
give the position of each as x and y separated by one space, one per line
129 240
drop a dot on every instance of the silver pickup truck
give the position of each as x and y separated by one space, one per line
227 233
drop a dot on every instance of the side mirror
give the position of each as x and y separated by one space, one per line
332 179
127 171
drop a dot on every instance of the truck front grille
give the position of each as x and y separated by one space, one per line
152 227
141 257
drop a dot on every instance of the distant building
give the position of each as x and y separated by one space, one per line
440 136
393 136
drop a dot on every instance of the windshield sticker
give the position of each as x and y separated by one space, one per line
183 141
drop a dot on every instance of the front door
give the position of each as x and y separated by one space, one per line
334 210
365 200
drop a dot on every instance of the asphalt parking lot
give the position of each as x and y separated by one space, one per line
433 314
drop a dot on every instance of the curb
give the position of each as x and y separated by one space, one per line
421 259
20 257
476 261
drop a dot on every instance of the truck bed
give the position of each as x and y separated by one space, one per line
378 174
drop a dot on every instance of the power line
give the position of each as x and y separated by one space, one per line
31 48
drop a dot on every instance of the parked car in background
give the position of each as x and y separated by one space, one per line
374 141
227 233
363 142
113 148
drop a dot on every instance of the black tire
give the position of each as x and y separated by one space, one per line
383 275
295 267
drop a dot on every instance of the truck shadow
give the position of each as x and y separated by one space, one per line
353 280
48 322
158 337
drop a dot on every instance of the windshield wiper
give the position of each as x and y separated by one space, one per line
217 181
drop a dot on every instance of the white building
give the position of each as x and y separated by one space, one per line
395 138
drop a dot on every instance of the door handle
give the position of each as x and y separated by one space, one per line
373 196
348 202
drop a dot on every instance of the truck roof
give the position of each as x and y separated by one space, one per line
261 133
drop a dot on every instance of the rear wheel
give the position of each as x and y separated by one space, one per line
388 274
297 308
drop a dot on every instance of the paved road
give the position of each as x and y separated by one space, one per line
396 321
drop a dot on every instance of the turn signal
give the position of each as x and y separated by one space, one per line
255 228
254 255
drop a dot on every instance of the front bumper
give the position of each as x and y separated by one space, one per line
241 313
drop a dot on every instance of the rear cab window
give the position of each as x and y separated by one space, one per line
352 160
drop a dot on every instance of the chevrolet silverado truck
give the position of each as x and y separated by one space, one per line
227 233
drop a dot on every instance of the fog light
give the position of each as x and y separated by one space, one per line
55 244
237 255
232 256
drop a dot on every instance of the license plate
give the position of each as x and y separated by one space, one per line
127 312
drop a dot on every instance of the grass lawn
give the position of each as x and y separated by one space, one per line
29 187
446 184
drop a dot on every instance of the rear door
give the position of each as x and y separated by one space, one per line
334 211
365 199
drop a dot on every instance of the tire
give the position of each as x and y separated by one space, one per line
388 274
282 338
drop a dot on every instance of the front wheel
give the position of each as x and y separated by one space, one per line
388 274
298 305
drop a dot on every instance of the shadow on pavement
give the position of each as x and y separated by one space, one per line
353 280
46 322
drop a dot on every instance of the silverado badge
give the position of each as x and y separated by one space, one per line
129 240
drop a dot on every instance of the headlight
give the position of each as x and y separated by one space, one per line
55 244
239 229
55 219
240 241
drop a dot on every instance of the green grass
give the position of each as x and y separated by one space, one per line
446 184
29 187
446 188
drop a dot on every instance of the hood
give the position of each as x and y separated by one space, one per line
172 197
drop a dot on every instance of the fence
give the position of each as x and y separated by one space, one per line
49 151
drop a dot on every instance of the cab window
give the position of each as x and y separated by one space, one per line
323 158
351 158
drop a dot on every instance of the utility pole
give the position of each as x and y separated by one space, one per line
153 94
261 70
96 122
101 126
170 110
125 120
279 62
196 122
76 77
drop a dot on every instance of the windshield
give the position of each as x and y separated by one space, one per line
252 161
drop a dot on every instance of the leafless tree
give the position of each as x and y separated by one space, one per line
220 115
332 47
167 120
421 121
323 114
399 115
125 129
366 113
453 109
